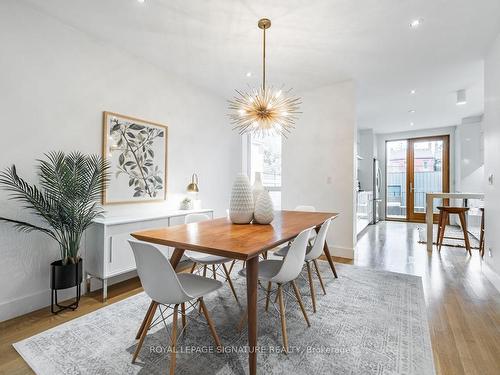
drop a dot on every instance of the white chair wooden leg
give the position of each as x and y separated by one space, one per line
230 282
299 299
144 332
315 261
283 319
174 340
311 286
210 325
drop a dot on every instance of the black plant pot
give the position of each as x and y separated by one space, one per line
64 276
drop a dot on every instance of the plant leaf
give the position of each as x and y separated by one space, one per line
136 127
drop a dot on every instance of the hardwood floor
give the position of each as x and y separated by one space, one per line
28 325
463 307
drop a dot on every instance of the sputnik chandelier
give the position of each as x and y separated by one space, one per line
264 111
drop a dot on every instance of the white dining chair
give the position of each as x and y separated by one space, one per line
166 288
312 254
213 263
283 273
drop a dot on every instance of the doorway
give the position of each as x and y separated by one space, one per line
414 167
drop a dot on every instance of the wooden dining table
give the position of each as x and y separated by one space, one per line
241 242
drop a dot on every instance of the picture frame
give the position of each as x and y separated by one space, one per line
137 152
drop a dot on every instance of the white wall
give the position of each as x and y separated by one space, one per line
381 151
318 160
492 161
469 168
55 83
469 156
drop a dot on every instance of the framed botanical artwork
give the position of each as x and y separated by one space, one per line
137 154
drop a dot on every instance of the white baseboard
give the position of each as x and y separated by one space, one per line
342 252
491 275
23 305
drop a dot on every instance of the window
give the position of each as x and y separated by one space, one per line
265 157
393 193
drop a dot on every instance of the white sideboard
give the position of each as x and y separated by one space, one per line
107 252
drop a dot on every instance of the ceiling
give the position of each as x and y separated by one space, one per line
214 43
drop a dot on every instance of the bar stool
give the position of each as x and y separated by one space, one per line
444 213
481 234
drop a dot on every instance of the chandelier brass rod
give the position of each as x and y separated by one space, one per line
264 60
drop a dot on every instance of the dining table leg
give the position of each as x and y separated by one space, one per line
326 250
174 261
252 275
328 256
429 216
176 257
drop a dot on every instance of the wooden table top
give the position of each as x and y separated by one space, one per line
237 241
456 195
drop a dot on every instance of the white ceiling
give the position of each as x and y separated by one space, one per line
311 43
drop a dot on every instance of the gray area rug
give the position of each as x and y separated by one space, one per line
370 322
451 231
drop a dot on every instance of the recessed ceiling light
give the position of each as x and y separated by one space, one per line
411 111
413 92
140 1
249 74
461 97
412 123
416 23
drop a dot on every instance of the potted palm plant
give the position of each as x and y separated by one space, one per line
65 202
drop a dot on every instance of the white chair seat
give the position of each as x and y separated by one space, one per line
202 258
197 286
268 269
284 250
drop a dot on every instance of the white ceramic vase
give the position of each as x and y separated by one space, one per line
257 187
264 211
241 205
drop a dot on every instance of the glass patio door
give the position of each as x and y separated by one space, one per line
415 167
428 172
396 179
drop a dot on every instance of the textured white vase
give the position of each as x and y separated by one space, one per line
241 205
264 211
257 187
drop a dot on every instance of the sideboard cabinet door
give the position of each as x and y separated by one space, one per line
120 257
